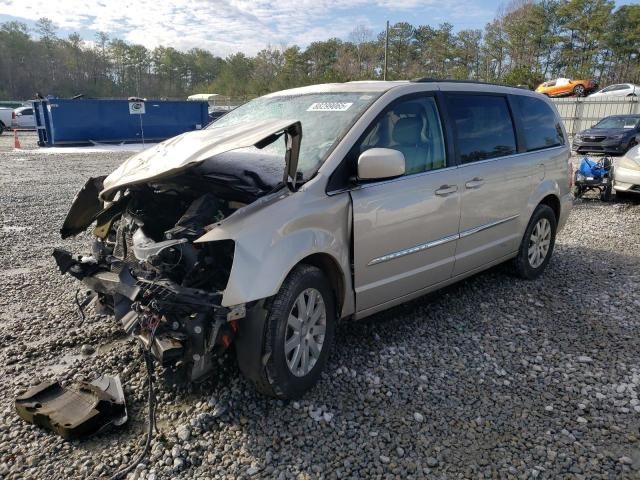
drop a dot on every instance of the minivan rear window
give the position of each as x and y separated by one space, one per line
483 126
540 125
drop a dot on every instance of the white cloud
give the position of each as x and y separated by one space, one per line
222 26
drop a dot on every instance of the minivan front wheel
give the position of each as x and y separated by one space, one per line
537 243
299 334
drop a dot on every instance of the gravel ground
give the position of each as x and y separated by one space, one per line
493 377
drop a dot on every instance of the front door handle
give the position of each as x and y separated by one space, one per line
445 190
474 183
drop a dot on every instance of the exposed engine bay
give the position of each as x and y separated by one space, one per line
144 266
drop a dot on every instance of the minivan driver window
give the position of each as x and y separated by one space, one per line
413 128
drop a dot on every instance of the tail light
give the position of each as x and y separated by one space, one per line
13 115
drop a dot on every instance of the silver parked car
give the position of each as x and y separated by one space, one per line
316 204
23 117
626 173
618 90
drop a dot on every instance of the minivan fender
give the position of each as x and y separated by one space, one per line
271 241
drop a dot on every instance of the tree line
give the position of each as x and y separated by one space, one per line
527 42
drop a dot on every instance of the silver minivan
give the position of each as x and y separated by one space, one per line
312 205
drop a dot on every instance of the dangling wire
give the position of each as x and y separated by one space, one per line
151 416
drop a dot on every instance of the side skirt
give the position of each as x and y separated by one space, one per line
432 288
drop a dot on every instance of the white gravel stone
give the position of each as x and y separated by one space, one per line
584 359
184 433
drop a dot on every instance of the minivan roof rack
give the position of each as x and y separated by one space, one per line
450 80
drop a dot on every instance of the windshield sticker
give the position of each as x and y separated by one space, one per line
329 107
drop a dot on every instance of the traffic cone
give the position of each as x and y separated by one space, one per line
16 141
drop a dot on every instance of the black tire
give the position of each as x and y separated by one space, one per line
2 128
521 264
577 191
605 195
632 143
275 378
579 91
622 195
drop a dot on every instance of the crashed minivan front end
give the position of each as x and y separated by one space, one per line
148 264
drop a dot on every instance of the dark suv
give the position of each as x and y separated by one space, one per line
615 134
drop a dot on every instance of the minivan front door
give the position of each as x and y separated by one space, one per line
405 229
405 235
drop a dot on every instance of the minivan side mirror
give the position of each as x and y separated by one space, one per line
379 163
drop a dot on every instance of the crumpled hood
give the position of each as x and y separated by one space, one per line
181 152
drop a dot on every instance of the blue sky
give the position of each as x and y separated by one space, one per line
229 26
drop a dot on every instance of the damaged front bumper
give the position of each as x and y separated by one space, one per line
145 269
184 328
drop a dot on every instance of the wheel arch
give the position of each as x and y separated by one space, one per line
552 201
334 273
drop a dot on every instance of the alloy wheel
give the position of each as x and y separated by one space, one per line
539 243
305 336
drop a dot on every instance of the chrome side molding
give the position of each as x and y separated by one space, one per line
441 241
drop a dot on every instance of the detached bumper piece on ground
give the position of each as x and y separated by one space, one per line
75 412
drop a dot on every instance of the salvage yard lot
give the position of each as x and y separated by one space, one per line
491 377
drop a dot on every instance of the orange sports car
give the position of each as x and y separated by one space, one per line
565 86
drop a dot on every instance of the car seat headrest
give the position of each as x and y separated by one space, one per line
407 131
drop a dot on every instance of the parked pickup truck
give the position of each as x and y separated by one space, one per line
5 118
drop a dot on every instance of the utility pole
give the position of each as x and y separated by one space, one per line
386 51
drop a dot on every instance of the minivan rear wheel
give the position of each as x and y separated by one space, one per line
299 334
537 243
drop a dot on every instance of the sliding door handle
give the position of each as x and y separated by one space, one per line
445 190
474 183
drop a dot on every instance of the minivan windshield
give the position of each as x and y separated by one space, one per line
618 122
325 118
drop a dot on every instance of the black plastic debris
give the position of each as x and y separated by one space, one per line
77 411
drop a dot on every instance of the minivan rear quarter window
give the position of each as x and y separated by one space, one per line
483 126
540 125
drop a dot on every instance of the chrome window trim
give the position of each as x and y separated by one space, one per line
437 170
402 177
441 241
506 157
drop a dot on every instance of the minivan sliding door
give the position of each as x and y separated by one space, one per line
493 178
